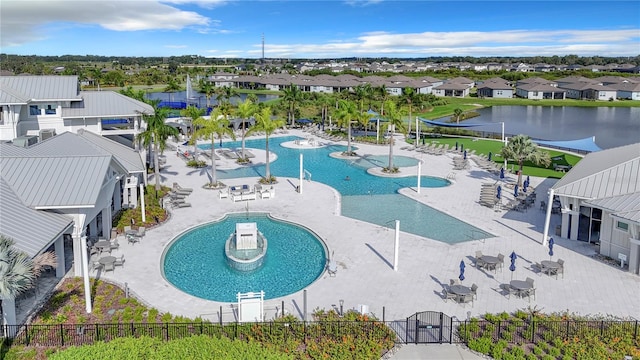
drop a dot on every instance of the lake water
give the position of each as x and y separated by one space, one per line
612 126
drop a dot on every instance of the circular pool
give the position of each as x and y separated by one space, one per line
195 260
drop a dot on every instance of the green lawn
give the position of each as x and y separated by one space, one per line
482 146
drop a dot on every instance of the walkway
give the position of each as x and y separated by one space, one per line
364 251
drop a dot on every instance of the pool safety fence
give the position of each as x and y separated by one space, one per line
434 327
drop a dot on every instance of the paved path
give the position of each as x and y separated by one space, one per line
364 251
434 352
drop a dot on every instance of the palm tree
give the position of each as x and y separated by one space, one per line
410 97
325 101
382 94
292 96
363 118
225 93
265 123
362 92
457 114
18 272
207 88
346 114
157 133
521 148
193 113
217 124
172 87
394 123
245 111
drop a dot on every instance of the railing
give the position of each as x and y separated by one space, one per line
514 331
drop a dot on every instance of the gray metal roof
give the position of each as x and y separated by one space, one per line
623 206
50 87
106 104
68 181
127 157
9 96
602 174
32 230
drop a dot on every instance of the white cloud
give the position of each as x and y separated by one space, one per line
23 20
477 43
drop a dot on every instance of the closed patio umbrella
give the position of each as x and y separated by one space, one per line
501 173
499 191
512 267
515 190
525 185
551 242
465 155
462 266
489 157
456 146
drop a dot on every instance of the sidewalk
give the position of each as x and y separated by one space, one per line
433 352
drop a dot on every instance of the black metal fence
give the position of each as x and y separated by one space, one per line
427 327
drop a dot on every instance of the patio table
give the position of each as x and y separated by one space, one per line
550 267
107 260
460 291
521 286
490 261
103 245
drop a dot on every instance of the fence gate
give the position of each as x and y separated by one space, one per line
429 327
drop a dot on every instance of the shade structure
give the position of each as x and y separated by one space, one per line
462 266
304 121
551 247
499 191
515 190
489 157
501 173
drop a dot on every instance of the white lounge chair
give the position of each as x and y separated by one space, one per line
332 268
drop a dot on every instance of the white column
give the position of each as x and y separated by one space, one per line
396 246
143 210
106 222
547 218
9 314
575 221
419 172
565 225
417 135
60 263
301 173
85 274
504 139
77 254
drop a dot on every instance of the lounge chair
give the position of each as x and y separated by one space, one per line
332 268
180 205
180 188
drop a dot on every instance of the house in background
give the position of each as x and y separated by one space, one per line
600 200
34 108
495 88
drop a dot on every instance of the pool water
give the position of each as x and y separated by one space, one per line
365 197
196 264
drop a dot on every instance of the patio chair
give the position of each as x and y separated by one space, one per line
141 231
454 282
468 298
446 295
109 267
95 265
500 261
479 263
474 290
508 290
114 244
561 268
119 261
530 281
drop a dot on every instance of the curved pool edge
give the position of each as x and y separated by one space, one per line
269 215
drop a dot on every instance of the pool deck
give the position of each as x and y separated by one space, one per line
364 251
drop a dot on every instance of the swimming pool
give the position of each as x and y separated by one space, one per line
366 197
195 262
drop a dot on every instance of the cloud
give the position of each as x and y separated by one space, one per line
362 2
23 20
622 42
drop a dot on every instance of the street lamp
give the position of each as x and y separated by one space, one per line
341 307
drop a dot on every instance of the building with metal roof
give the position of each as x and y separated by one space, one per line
40 106
600 201
67 186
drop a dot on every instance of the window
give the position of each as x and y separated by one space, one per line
50 110
34 110
622 226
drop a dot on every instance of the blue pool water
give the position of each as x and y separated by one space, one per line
365 197
195 261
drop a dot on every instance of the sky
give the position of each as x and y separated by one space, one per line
320 29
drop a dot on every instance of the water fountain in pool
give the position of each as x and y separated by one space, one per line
246 247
